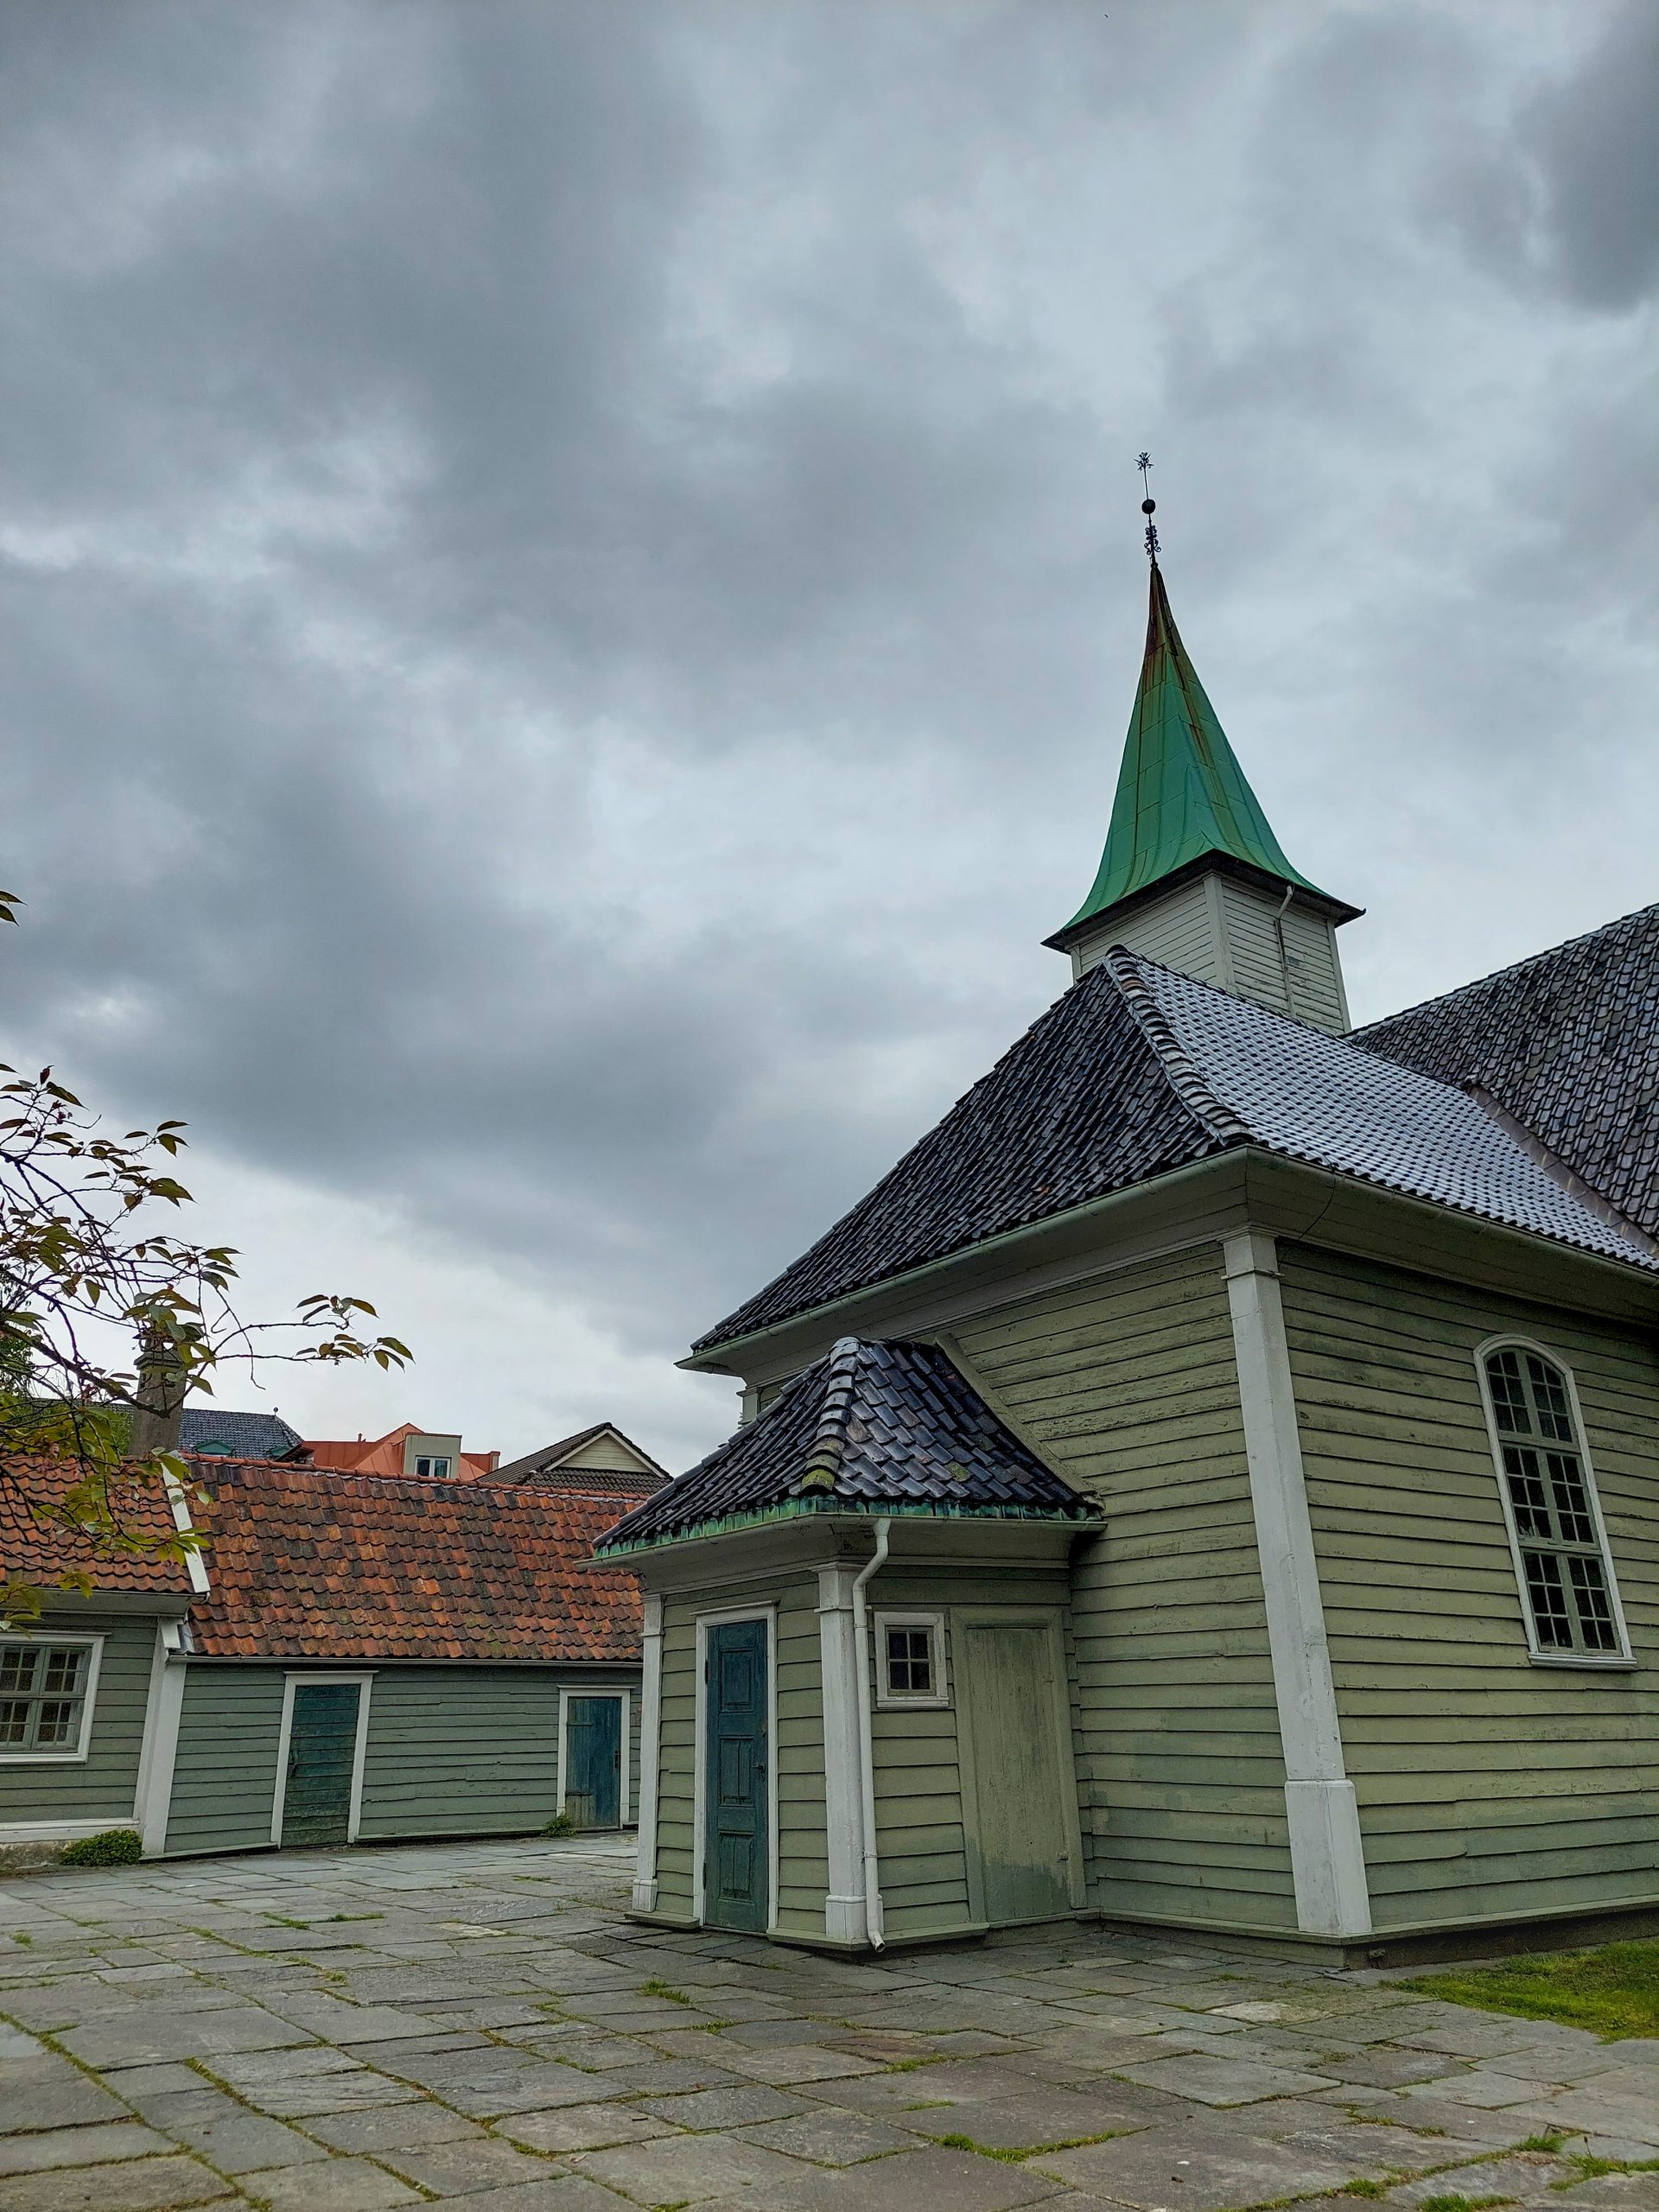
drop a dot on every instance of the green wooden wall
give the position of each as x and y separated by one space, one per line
224 1776
472 1752
102 1786
1128 1384
1487 1785
451 1751
802 1863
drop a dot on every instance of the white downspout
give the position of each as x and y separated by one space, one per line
865 1746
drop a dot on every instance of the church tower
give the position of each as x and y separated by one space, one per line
1192 874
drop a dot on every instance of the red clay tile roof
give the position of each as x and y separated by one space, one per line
383 1455
42 1552
308 1563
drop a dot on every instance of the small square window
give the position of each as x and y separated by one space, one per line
435 1470
909 1650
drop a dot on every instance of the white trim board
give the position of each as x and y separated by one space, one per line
152 1800
651 1730
768 1613
1328 1857
624 1698
58 1831
290 1683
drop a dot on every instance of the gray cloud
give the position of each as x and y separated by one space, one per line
573 570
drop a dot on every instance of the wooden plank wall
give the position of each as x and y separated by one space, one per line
101 1787
225 1778
1487 1785
1128 1384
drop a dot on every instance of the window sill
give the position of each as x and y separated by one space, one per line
1581 1663
42 1758
886 1703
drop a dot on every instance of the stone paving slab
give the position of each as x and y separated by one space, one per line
477 2026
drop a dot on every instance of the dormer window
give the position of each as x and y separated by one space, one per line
1561 1558
433 1469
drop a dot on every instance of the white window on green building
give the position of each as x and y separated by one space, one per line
46 1699
910 1652
1550 1500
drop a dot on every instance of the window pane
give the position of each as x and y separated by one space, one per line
1590 1597
1572 1522
64 1672
17 1663
59 1723
910 1662
1549 1398
14 1722
1526 1492
1549 1600
1509 1395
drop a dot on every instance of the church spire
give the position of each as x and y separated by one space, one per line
1184 819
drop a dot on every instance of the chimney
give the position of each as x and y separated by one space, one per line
158 1414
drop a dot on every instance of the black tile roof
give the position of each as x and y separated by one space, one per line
237 1436
870 1427
1568 1043
1080 1107
538 1465
1138 1071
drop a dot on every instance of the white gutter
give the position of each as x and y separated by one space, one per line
866 1747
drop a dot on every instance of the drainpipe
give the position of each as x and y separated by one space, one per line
1284 954
865 1748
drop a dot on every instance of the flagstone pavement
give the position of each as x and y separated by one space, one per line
479 2025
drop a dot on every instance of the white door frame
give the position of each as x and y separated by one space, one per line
290 1683
765 1610
624 1698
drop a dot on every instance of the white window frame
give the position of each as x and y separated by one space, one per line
307 1681
78 1757
624 1698
886 1697
1552 1655
766 1612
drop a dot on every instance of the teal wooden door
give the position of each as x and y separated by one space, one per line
1021 1839
321 1759
735 1856
592 1762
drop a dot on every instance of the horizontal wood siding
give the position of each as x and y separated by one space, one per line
1178 932
1128 1384
467 1751
803 1856
225 1779
676 1755
1487 1784
102 1786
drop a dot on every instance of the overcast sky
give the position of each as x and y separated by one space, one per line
572 585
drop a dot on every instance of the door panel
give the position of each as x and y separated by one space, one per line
735 1869
322 1759
593 1754
1022 1834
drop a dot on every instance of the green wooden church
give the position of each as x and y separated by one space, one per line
1212 1481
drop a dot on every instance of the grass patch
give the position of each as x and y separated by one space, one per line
1363 2188
1613 1989
26 1941
1587 2167
1454 2203
1032 2150
1549 2140
662 1989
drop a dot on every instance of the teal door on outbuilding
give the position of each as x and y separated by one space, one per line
593 1757
736 1844
321 1762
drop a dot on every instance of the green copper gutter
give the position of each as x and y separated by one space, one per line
796 1509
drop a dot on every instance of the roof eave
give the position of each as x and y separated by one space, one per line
1217 862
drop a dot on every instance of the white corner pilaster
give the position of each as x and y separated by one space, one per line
843 1910
158 1755
1326 1858
651 1730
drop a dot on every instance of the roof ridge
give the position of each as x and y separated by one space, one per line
829 1443
1186 1080
407 1485
1497 975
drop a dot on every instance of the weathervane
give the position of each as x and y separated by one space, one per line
1148 507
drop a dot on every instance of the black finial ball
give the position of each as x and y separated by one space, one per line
1149 506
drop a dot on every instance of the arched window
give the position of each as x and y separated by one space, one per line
1550 1500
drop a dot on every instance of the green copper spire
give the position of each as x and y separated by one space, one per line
1181 794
